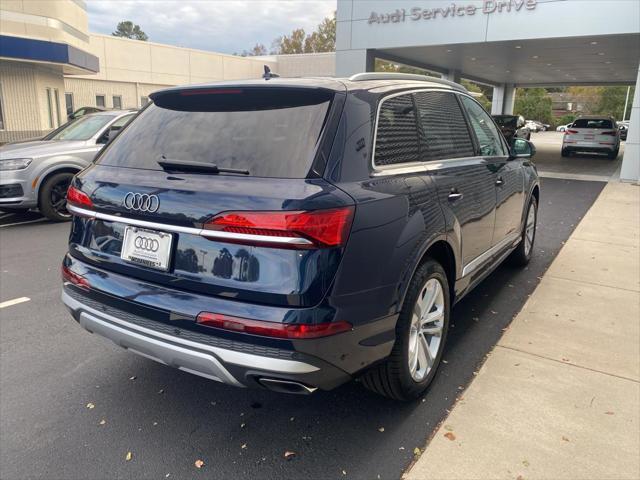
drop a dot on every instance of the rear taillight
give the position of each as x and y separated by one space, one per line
611 133
79 198
272 329
571 132
74 278
320 228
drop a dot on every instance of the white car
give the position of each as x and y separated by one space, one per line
562 128
592 134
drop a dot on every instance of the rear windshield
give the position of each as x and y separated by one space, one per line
592 123
271 132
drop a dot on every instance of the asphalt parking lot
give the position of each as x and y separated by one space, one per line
73 405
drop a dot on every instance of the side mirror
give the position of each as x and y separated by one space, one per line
521 148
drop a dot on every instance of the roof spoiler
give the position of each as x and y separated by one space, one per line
361 77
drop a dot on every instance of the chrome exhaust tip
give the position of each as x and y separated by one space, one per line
286 386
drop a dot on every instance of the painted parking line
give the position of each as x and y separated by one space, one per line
15 301
37 220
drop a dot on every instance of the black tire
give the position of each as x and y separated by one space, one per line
392 378
53 197
613 155
521 256
565 153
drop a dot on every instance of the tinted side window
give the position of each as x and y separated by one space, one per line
443 127
397 132
488 137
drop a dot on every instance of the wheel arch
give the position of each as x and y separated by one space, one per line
69 168
441 251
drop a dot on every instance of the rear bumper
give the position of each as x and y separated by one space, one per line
594 147
195 353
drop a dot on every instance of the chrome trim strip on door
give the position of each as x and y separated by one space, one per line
213 234
480 259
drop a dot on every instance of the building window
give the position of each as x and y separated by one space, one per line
117 102
68 102
100 101
143 101
1 110
50 108
56 98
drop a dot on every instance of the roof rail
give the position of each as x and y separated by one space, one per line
361 77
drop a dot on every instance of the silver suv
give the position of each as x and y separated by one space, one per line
36 174
593 135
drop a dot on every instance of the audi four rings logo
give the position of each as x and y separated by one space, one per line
142 202
146 243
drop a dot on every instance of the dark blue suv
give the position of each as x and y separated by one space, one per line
293 234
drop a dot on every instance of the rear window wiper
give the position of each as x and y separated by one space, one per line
197 167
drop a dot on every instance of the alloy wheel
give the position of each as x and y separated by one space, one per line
427 324
59 197
530 230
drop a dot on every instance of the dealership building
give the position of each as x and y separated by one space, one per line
50 64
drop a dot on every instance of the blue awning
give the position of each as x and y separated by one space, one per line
26 49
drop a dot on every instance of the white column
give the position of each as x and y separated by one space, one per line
630 171
497 103
349 62
452 75
504 97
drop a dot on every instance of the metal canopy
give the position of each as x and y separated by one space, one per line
587 60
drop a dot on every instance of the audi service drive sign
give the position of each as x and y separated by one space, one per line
452 11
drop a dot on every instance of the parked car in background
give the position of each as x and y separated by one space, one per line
592 134
536 126
36 174
84 111
293 234
623 126
562 128
513 126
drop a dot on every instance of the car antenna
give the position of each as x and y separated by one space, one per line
268 74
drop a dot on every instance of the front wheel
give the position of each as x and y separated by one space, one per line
421 332
521 256
53 197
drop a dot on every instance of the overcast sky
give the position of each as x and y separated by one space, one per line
226 26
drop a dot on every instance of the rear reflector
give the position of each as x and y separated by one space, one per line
611 133
324 228
76 197
211 91
571 132
272 329
74 278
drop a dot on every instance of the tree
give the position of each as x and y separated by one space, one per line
534 104
484 100
323 39
126 29
612 100
258 49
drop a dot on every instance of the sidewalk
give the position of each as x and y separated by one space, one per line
559 396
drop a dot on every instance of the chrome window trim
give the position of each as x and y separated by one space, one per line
474 264
411 167
213 234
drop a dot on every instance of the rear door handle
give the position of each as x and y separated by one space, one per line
454 195
499 181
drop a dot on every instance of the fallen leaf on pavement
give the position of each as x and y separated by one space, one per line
289 455
609 413
417 451
90 406
381 429
132 378
343 472
242 425
244 446
161 391
199 463
448 428
103 421
565 438
450 436
128 457
525 463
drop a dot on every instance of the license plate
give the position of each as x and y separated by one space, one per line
146 247
589 137
585 143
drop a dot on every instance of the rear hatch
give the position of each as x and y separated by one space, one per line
219 191
591 132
